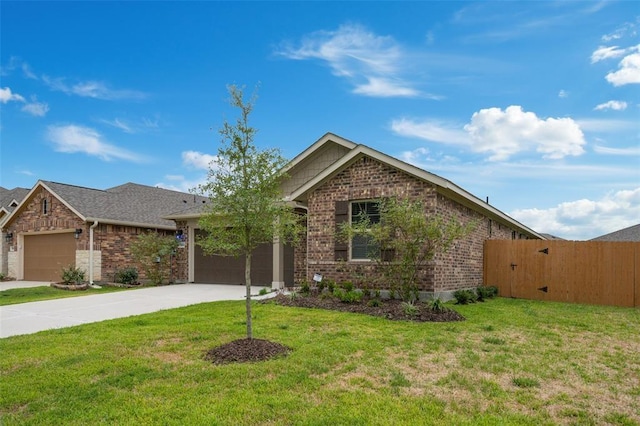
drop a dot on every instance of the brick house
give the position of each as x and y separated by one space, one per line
9 200
326 183
58 225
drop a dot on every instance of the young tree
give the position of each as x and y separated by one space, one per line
153 251
246 206
404 240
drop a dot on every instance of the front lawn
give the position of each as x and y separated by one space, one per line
510 362
35 294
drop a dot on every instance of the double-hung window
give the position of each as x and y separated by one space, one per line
362 246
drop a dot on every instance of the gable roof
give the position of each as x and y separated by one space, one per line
631 233
444 186
9 200
129 204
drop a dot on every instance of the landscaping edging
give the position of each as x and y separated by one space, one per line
70 287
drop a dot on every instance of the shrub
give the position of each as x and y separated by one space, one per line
72 275
437 305
331 285
410 309
320 285
305 288
263 291
347 296
464 297
374 303
347 286
126 276
486 292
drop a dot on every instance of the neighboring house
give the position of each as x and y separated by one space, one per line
631 233
9 200
327 183
58 225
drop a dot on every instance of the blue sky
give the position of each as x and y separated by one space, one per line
533 104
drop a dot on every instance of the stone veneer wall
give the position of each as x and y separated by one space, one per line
366 179
82 262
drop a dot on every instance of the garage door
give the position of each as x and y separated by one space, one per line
46 255
230 270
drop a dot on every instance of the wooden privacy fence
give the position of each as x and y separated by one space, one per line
593 272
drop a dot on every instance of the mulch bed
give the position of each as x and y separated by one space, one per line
246 350
391 309
253 350
70 287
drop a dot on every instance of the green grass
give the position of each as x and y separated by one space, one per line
35 294
512 362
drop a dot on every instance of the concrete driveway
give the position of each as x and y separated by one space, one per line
27 318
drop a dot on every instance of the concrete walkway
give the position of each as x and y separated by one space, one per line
27 318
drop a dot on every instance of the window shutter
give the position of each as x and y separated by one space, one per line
341 250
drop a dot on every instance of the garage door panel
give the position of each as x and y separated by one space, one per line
46 255
230 270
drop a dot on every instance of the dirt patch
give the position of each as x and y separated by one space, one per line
392 309
246 350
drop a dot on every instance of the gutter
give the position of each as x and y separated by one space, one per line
91 228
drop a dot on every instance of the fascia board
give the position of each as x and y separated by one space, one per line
127 223
328 137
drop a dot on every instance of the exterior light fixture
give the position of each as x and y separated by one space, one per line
77 233
8 237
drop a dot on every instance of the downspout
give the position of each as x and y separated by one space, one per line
91 228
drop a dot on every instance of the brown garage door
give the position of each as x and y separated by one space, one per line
230 270
46 255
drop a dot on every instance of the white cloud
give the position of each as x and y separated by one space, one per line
563 94
198 159
119 124
7 96
614 105
504 133
91 89
607 52
617 151
628 72
432 130
585 219
78 139
182 184
371 62
384 88
39 109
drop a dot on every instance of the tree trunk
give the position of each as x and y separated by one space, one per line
247 280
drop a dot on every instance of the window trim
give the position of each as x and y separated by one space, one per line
351 244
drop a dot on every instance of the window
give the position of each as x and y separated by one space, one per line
362 248
45 206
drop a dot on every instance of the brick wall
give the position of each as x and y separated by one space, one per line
111 242
367 179
114 241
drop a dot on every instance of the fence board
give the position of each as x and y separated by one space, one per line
593 272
